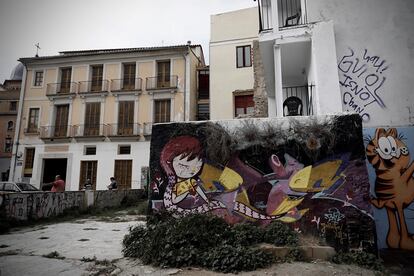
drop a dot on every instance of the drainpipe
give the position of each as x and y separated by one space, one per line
18 125
186 78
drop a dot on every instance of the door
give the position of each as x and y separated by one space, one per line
88 170
123 173
53 167
61 121
163 74
97 78
129 76
65 80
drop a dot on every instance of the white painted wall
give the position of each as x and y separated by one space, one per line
229 30
384 29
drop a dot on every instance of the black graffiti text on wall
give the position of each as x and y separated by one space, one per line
362 76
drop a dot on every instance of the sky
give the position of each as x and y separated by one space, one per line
59 25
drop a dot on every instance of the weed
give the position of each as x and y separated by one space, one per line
54 255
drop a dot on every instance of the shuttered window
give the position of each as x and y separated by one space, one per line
33 123
163 73
243 105
123 173
126 118
61 120
162 111
129 76
65 79
97 77
88 171
29 161
92 119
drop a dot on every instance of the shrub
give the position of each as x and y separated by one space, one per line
360 258
280 234
247 234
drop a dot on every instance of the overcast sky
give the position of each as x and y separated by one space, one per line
60 25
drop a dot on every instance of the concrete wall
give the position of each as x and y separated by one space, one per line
375 52
309 173
229 30
392 185
33 206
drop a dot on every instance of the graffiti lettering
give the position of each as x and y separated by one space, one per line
361 80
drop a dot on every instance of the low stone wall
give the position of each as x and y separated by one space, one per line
33 206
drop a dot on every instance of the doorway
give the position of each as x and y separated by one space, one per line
53 167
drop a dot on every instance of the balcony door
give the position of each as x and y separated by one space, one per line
97 78
92 119
163 73
61 121
162 111
65 80
129 76
126 118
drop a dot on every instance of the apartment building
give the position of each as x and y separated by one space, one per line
88 114
9 99
327 56
231 63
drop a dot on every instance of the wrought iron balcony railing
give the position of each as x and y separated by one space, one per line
93 86
57 131
123 129
162 82
298 100
61 88
89 130
124 85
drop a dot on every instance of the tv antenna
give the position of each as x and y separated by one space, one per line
37 49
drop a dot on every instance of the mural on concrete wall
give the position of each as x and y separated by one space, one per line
392 184
362 76
310 174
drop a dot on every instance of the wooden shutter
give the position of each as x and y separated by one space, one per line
126 118
61 120
28 162
97 77
92 119
243 104
66 74
123 173
163 76
88 171
33 119
162 111
129 76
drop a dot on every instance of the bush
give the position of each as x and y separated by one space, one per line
280 234
197 240
359 258
247 234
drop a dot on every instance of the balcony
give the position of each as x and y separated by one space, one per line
61 89
298 100
123 131
164 82
291 13
89 131
31 131
93 87
56 132
126 85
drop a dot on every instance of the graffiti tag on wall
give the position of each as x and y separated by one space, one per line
362 77
393 185
261 181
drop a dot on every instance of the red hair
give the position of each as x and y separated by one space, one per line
188 146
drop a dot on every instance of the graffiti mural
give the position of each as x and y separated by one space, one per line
362 77
310 174
391 175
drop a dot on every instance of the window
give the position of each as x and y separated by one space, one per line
28 162
88 171
243 105
61 120
92 119
8 145
13 106
124 149
123 173
65 79
33 124
97 78
126 118
163 73
203 111
90 150
38 78
243 54
129 76
162 111
10 125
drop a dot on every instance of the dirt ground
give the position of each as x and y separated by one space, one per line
93 246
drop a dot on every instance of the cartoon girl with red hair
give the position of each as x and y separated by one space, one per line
181 159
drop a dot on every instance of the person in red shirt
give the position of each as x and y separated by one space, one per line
58 184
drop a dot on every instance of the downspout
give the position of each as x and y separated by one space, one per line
19 123
185 80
